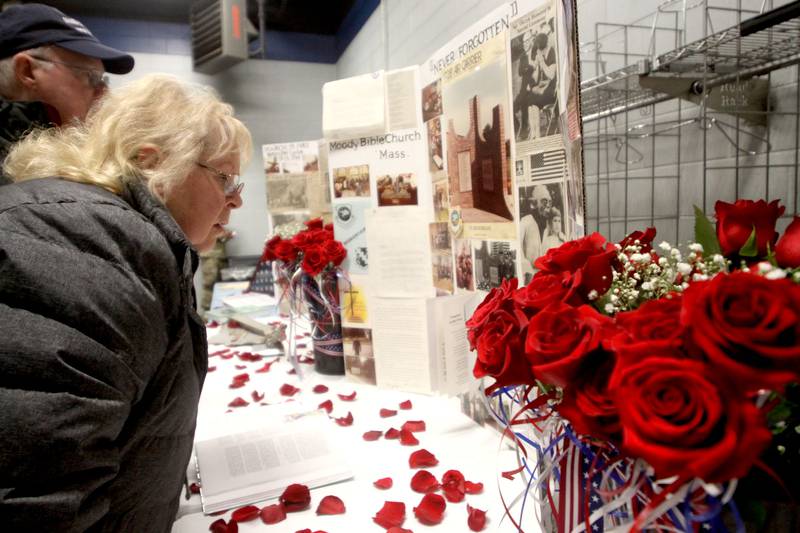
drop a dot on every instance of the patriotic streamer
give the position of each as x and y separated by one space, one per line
580 485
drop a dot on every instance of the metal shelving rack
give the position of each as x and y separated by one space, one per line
718 87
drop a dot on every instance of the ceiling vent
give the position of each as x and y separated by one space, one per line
219 34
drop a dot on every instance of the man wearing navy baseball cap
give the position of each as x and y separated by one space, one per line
51 70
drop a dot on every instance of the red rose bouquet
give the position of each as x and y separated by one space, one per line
308 261
649 380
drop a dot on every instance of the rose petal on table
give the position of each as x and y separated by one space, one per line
272 514
453 486
407 438
218 526
266 367
238 402
245 514
212 324
372 435
331 505
391 514
406 405
430 510
306 530
244 376
383 483
237 384
233 324
392 433
414 425
226 355
288 390
295 497
476 519
194 488
386 413
240 367
319 389
327 405
257 396
211 369
347 397
296 337
422 458
345 420
473 488
398 530
424 482
229 411
291 371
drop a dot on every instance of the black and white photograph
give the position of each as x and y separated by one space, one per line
351 181
441 201
286 193
359 360
440 237
519 168
400 189
534 76
280 219
465 277
435 160
541 221
432 101
442 263
494 262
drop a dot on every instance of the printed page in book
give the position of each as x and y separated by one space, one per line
243 468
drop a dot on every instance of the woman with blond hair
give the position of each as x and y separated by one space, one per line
102 355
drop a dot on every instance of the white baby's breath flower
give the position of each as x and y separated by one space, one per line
665 246
592 295
684 285
777 273
719 259
764 267
648 286
696 247
614 298
662 261
699 277
609 309
684 268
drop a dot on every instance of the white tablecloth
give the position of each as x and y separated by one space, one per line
457 442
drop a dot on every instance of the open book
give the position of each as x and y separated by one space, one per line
244 468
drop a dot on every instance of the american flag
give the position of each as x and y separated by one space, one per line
548 164
263 280
575 469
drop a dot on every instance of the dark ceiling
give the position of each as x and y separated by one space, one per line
304 16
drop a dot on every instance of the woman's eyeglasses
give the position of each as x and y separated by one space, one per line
96 78
230 182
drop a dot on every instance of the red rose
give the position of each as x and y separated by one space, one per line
684 418
645 239
501 297
545 289
735 223
787 251
654 323
335 251
314 223
586 402
314 260
500 353
319 236
592 256
269 249
302 240
286 251
559 338
747 327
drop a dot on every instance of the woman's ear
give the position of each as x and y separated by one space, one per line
148 157
23 71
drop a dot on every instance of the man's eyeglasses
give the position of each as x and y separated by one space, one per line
96 78
230 182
